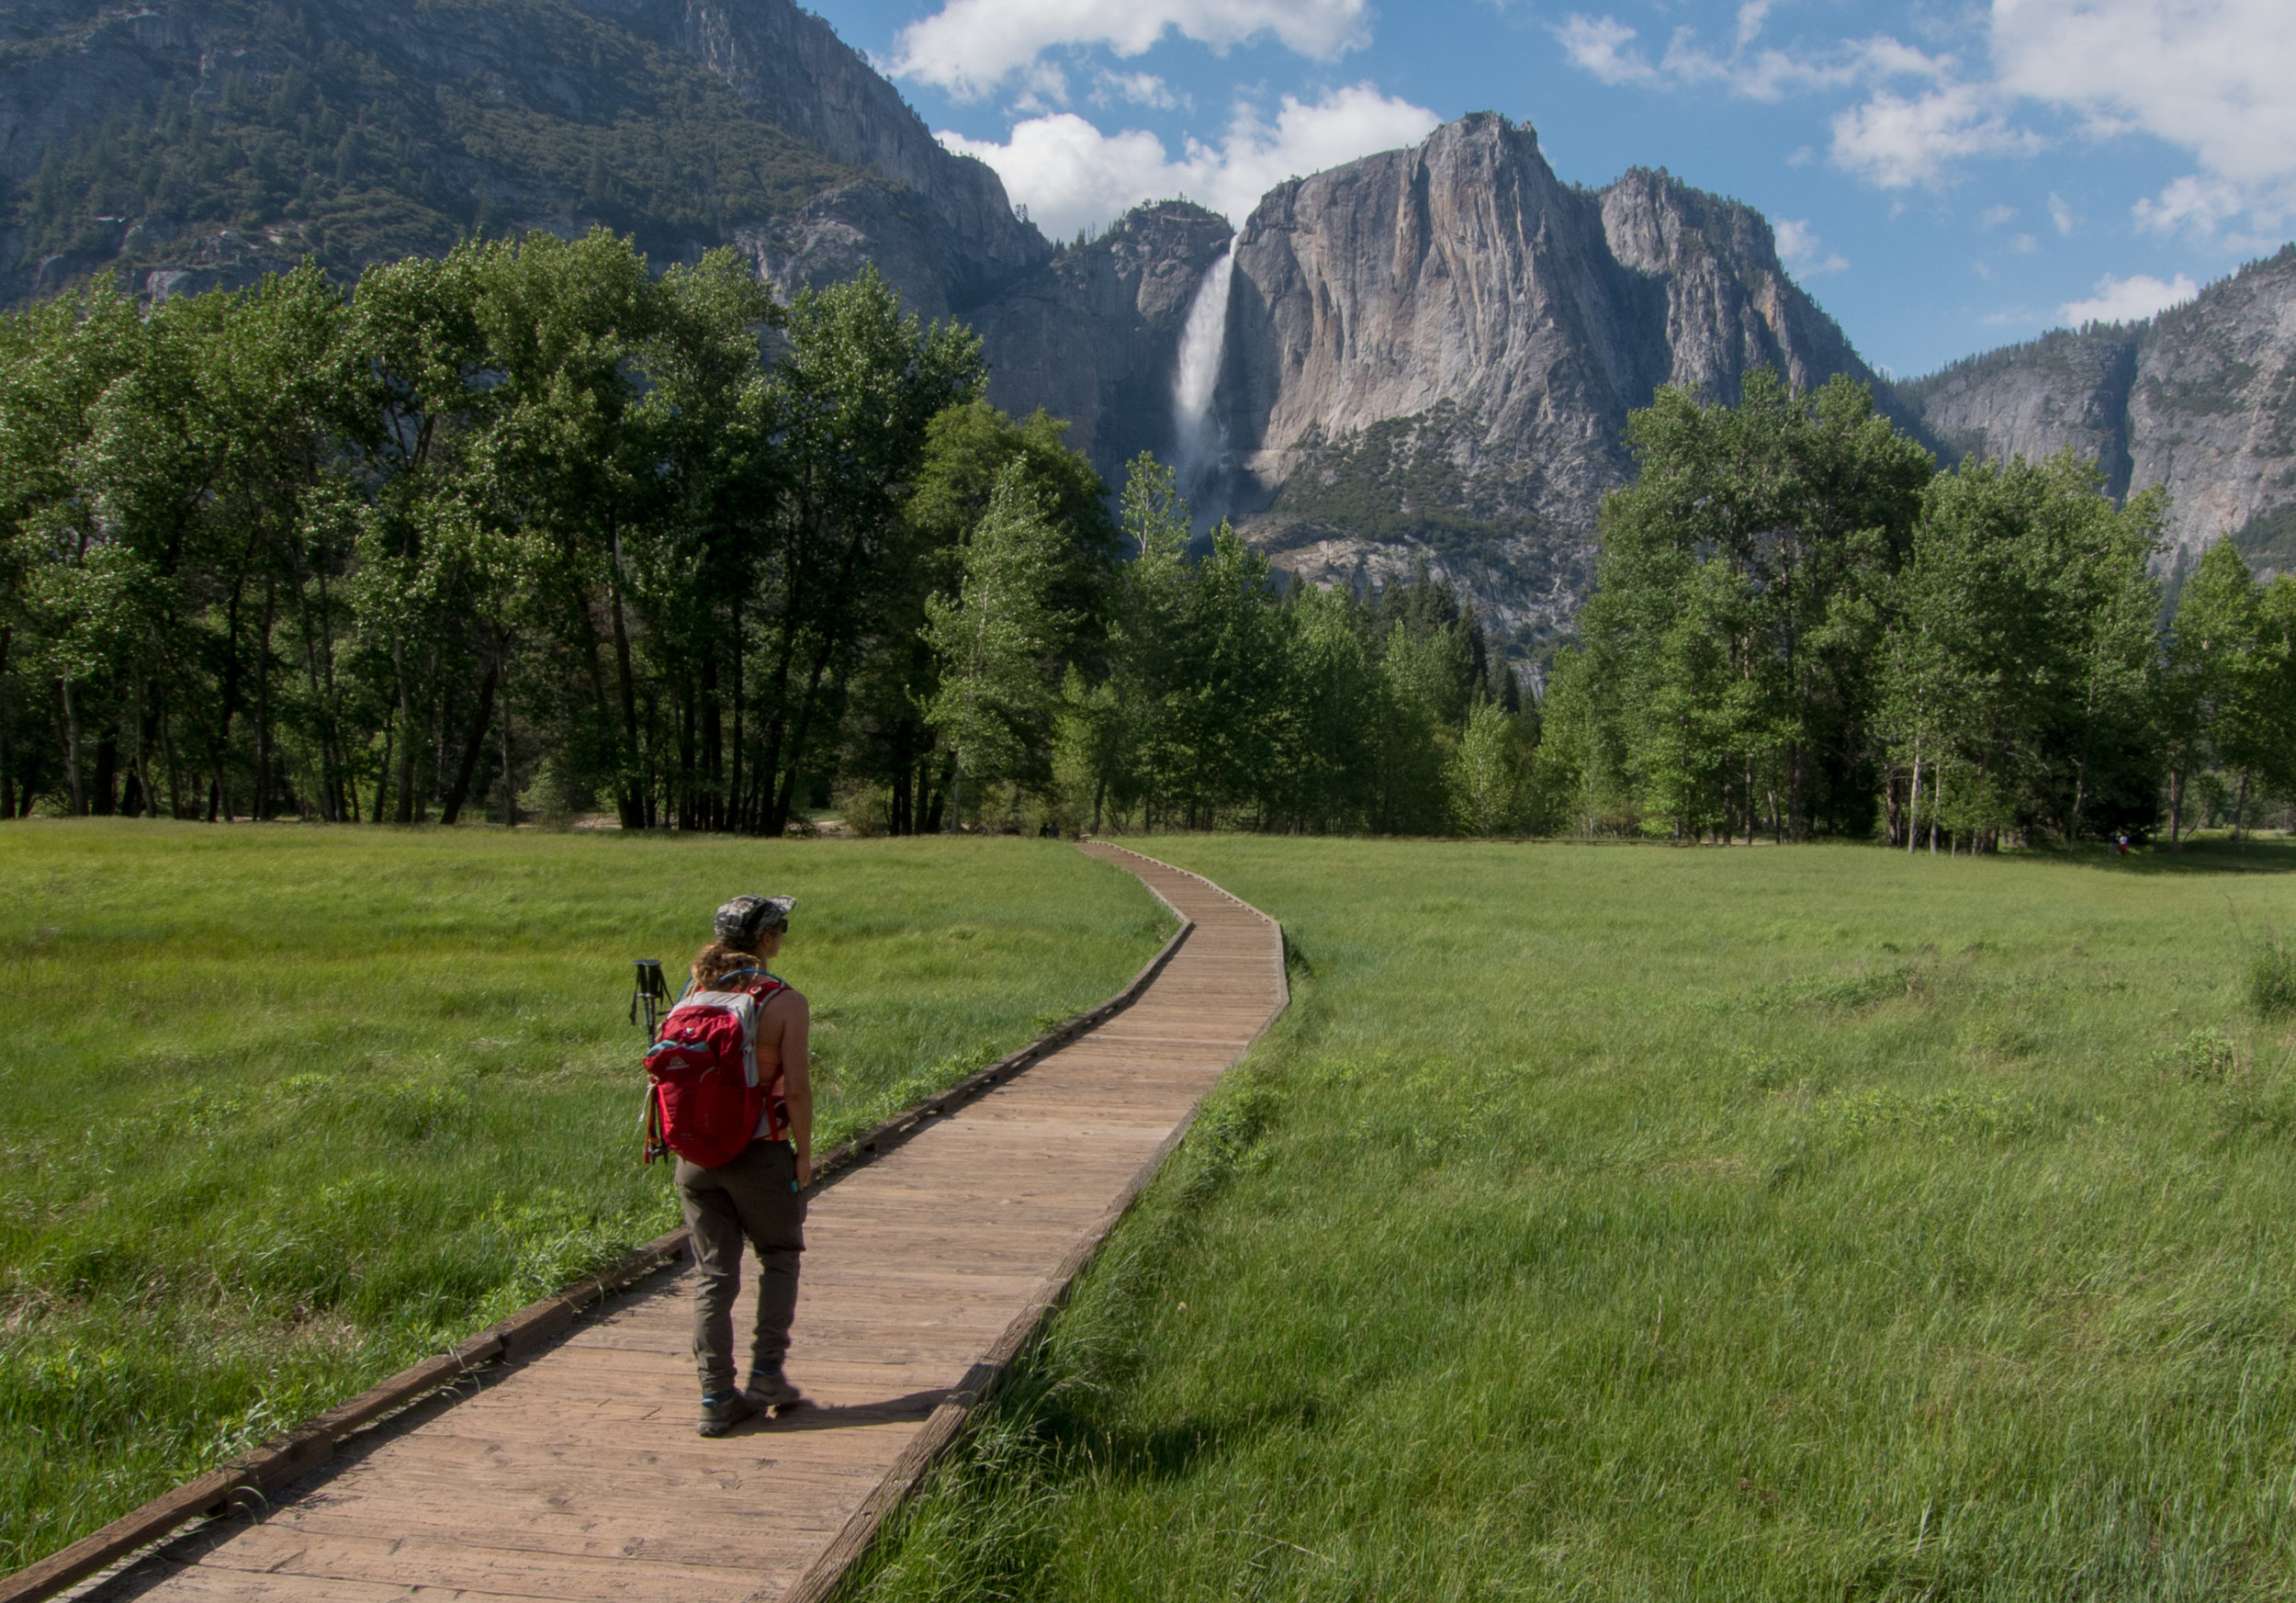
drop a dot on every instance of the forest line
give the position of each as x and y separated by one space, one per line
531 529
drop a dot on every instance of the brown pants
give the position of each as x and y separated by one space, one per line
754 1198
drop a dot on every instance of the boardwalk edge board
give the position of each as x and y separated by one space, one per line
820 1583
290 1457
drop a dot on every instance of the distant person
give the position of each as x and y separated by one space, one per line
2121 844
756 1196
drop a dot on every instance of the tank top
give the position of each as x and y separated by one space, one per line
773 1119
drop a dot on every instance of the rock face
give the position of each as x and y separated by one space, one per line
373 130
1431 354
1094 336
2200 399
1428 354
791 63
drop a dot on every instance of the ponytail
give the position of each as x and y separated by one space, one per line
718 960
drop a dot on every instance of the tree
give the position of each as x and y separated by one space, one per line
856 394
2019 662
994 702
1737 601
2227 663
968 448
1485 774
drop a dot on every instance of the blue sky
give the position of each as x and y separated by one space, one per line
1945 178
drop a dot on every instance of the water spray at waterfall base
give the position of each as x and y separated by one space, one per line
1200 444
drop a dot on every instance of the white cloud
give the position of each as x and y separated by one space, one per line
1895 143
1071 175
1598 45
1605 47
1993 217
1137 88
2127 299
2060 213
2024 245
2210 76
970 48
1800 249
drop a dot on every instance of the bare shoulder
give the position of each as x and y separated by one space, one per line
787 1002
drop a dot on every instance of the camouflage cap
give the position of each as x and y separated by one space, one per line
744 918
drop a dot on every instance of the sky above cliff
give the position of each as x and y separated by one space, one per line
1944 178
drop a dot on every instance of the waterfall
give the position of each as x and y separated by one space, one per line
1203 339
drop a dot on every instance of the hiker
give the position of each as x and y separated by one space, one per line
758 1194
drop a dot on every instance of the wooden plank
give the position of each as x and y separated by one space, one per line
417 1559
940 1244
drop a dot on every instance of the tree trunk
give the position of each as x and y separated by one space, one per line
140 757
786 790
627 800
1913 805
712 744
510 780
167 755
688 735
734 821
473 745
2240 813
936 812
776 725
106 777
262 798
219 793
903 819
406 752
382 769
8 750
331 796
72 751
2176 808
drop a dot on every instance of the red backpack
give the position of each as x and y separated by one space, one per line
705 1102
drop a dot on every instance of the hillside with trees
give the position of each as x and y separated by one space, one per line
531 529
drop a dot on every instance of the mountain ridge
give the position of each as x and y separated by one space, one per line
1428 354
2199 398
189 143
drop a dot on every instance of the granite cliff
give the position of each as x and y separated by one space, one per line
1427 355
184 144
2200 399
1094 336
1433 352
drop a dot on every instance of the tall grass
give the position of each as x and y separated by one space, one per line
284 1109
2272 977
1620 1224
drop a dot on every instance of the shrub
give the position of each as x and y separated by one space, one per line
2272 977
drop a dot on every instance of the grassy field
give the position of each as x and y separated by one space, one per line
1614 1223
285 1109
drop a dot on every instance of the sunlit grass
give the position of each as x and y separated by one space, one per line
1639 1222
282 1108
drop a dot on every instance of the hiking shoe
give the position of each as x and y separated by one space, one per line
721 1411
770 1391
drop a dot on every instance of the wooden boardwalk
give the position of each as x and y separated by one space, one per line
578 1474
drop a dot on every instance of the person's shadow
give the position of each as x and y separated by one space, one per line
811 1416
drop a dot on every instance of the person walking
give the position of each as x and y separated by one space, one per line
759 1195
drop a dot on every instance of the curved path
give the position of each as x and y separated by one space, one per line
578 1474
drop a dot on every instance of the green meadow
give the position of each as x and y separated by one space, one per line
284 1109
1635 1223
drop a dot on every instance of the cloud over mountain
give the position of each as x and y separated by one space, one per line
971 48
1071 175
